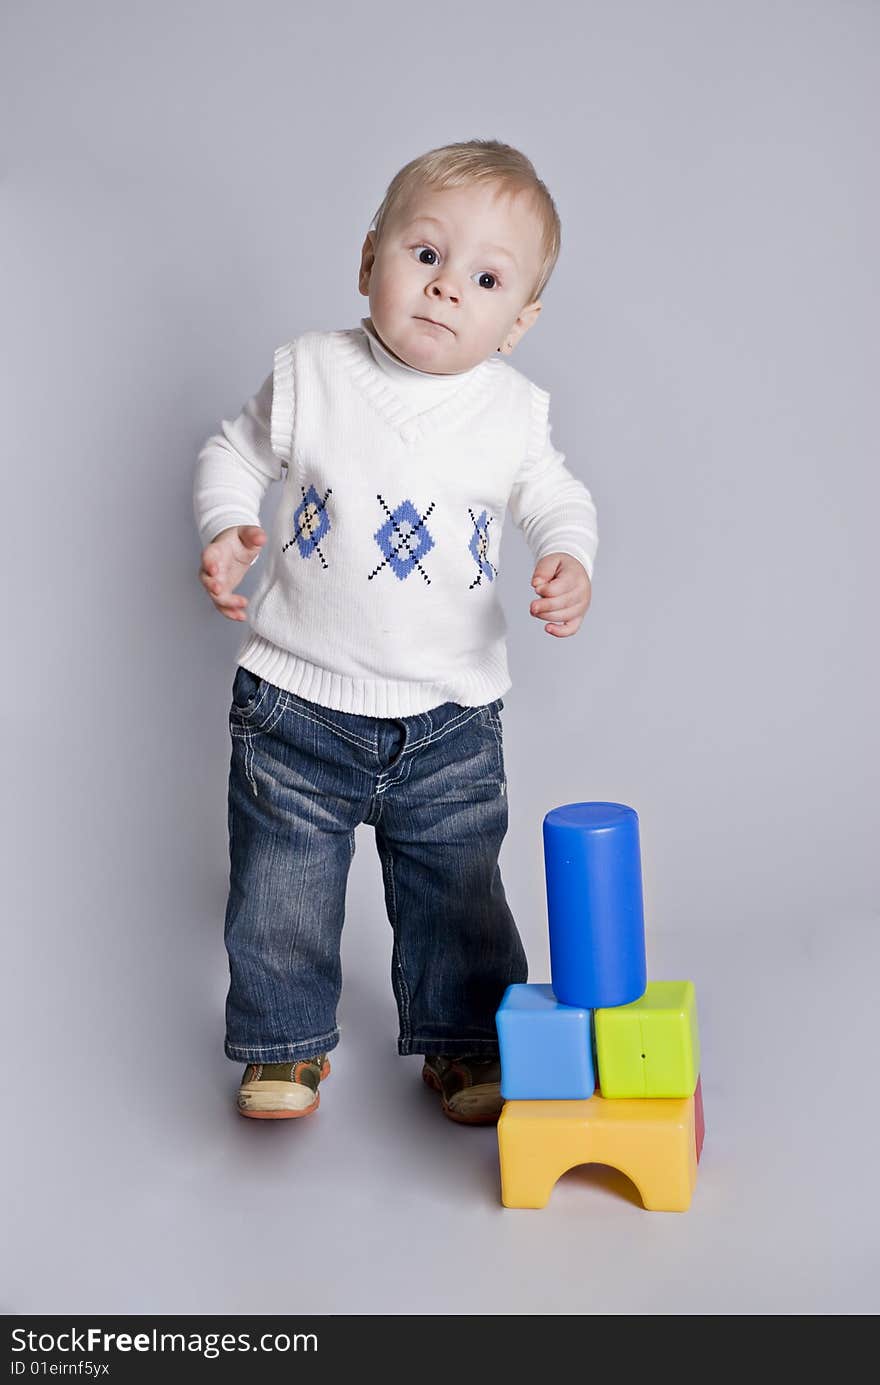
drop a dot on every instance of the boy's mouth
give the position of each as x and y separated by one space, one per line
434 323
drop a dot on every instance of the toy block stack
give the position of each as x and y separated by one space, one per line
602 1066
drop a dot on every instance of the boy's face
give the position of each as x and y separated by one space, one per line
464 258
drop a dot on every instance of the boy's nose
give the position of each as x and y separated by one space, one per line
443 288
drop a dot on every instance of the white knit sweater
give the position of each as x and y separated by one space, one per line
378 593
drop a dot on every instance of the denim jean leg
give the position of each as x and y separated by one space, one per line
291 841
440 829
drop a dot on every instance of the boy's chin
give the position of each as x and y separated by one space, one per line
426 355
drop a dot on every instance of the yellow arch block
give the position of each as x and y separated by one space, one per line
652 1141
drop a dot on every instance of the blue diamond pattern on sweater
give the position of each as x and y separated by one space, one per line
404 539
311 522
479 546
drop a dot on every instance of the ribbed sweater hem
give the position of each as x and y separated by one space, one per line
376 697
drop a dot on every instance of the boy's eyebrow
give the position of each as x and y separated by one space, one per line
490 249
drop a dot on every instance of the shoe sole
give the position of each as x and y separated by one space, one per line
429 1078
280 1113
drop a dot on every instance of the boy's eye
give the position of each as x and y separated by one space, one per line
423 250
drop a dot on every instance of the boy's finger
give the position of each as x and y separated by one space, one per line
230 602
547 603
556 593
558 587
561 631
557 614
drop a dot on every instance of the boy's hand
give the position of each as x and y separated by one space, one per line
564 592
225 561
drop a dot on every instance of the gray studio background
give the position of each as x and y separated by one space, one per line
183 188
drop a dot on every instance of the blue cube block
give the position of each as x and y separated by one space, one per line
546 1048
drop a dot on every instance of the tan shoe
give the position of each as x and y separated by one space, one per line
469 1087
281 1091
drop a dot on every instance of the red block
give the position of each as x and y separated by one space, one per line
699 1123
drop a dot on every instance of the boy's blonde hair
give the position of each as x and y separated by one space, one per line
478 161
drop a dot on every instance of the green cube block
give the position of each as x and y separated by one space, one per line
651 1047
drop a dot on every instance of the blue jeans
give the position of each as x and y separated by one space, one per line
301 779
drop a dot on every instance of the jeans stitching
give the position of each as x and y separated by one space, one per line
274 717
249 734
247 739
430 738
329 726
468 715
394 777
496 729
400 986
404 766
301 1044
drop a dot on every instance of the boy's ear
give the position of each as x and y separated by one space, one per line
368 255
526 318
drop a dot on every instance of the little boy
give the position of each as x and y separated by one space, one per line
369 687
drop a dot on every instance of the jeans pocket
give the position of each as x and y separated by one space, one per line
492 712
253 698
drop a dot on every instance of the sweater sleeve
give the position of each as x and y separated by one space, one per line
552 507
236 467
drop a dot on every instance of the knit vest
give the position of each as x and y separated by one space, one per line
379 585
